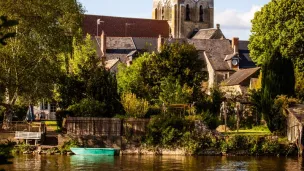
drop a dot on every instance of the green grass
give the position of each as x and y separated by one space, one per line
51 125
257 130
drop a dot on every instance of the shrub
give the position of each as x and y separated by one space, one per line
166 131
133 106
89 108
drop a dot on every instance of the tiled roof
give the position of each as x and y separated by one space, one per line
125 27
240 76
216 51
209 34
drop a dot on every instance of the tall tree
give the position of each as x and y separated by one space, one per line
88 83
28 64
276 81
279 28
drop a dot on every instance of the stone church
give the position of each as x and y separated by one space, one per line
121 40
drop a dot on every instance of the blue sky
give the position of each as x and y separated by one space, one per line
233 15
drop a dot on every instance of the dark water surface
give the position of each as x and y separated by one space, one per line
139 163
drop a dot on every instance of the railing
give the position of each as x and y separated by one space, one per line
24 126
28 135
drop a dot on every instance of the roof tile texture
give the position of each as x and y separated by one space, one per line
125 27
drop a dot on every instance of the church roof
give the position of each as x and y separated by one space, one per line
212 33
125 27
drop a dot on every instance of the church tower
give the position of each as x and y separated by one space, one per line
185 17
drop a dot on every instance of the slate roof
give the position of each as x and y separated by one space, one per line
216 51
111 63
145 43
245 60
239 76
124 27
209 34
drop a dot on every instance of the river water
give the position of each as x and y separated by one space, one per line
147 163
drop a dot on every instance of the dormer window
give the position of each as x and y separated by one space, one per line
187 13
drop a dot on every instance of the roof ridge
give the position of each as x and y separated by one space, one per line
123 17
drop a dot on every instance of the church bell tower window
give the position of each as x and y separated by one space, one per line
187 12
201 14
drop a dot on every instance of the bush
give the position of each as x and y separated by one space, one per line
89 108
66 147
166 131
133 106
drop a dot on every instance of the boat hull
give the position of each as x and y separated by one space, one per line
96 151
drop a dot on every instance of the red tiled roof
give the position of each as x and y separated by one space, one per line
125 27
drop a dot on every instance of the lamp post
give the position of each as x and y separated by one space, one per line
126 27
98 23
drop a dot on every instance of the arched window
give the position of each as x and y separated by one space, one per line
201 14
163 13
187 13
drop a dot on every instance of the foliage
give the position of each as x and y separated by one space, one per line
145 76
87 79
66 147
173 93
22 148
5 23
89 108
29 63
5 152
210 119
133 106
278 26
276 81
277 31
166 131
70 91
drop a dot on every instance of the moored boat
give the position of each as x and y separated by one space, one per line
96 151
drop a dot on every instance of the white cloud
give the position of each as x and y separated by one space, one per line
233 22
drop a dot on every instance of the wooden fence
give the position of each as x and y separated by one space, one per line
105 126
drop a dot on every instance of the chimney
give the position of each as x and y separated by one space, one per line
160 43
218 26
103 46
235 44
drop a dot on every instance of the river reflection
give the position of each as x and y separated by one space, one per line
147 163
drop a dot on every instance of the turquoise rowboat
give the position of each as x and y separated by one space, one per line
96 151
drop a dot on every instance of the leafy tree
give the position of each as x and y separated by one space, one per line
279 27
5 23
145 76
29 64
173 93
88 83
